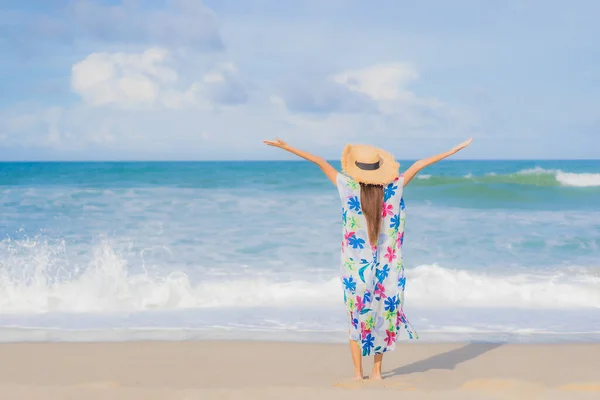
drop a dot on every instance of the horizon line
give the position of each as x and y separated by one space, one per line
275 160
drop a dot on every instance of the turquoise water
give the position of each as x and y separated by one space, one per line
494 250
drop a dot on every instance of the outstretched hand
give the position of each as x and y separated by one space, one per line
462 145
276 143
320 161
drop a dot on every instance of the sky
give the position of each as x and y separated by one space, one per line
205 80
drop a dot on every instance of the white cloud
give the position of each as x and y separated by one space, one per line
383 82
375 89
371 104
147 79
121 79
387 84
221 86
158 104
149 101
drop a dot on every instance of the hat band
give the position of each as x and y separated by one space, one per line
367 166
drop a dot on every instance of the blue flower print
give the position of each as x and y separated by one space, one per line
355 323
344 216
395 222
389 191
368 344
402 207
402 282
390 304
356 242
350 284
367 297
354 203
383 273
364 264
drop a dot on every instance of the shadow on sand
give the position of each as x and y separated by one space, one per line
448 360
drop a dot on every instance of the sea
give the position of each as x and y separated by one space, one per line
495 251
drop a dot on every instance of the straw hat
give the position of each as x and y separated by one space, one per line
369 164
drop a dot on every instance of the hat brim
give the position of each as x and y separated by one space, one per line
388 167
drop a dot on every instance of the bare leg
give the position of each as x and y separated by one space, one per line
376 373
356 359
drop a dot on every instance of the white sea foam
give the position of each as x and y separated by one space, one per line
583 179
534 176
435 286
49 284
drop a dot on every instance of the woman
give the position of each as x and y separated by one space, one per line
372 272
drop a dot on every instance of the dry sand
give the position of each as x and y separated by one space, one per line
264 370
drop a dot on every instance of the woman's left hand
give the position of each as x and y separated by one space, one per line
462 145
276 143
321 162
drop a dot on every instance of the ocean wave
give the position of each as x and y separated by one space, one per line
535 177
44 281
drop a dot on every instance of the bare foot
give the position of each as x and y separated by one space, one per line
375 376
357 378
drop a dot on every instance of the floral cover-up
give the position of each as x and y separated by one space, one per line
373 277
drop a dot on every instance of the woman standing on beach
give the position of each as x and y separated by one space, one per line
372 272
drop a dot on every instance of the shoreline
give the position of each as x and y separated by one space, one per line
266 369
16 334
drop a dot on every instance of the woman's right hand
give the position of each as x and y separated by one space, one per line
277 143
419 165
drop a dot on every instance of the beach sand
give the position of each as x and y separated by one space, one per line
279 370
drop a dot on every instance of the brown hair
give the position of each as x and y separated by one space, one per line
371 202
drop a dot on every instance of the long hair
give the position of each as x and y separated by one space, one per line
371 201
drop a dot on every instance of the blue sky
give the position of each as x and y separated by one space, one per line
185 79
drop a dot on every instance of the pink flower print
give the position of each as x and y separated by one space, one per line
390 255
348 236
380 291
388 209
400 240
390 338
364 331
360 304
400 318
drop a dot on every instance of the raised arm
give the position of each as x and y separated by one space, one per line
321 162
419 165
